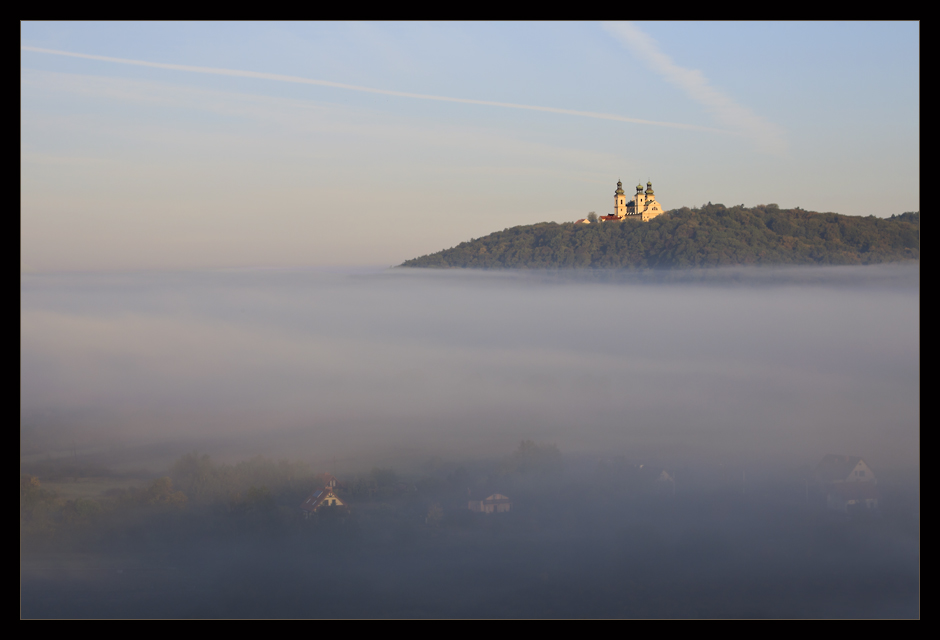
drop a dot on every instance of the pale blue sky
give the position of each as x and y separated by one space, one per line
131 167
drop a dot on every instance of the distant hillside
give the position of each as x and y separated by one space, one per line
713 235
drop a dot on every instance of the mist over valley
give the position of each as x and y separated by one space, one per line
172 423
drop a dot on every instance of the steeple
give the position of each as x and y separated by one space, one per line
620 201
649 188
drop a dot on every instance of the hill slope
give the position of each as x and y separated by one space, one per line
713 235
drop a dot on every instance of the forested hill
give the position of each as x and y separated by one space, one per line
713 235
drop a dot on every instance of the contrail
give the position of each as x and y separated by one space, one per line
338 85
767 135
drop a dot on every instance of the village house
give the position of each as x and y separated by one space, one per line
849 483
642 207
322 497
496 503
656 479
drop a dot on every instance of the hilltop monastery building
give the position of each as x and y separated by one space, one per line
643 206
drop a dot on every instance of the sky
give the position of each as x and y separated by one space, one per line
242 144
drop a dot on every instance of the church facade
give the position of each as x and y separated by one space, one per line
643 206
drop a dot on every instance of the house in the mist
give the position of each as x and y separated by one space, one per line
656 479
643 206
849 483
323 497
495 503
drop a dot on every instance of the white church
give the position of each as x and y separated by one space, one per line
643 206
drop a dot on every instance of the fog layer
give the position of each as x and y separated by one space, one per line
793 362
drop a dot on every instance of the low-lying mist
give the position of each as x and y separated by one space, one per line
796 362
155 408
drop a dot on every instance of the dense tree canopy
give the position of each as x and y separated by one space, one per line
713 235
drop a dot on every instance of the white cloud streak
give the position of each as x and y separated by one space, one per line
338 85
766 135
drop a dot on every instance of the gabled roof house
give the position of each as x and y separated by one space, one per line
849 483
323 497
495 503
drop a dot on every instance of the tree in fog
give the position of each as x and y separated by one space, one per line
161 492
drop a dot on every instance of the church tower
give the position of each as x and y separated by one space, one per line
620 201
639 200
651 208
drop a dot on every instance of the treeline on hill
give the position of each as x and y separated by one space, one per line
710 236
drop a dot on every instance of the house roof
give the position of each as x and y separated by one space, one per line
489 498
834 468
315 499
